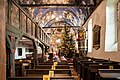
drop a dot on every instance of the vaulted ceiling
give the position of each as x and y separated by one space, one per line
51 14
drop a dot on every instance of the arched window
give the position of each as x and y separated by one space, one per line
90 36
111 26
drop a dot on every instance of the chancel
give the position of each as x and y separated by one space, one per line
60 39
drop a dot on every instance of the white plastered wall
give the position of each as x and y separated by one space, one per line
99 17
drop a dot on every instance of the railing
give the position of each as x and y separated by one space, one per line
21 20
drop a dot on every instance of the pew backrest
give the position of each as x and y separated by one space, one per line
50 66
109 73
41 78
95 67
40 72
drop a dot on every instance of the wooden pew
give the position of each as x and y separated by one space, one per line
109 74
51 63
75 60
93 70
79 65
41 78
80 62
85 66
18 69
50 66
41 72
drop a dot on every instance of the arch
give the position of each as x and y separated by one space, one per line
61 20
111 44
73 11
90 35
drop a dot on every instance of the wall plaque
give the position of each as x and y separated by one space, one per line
96 37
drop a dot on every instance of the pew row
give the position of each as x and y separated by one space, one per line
41 72
50 66
41 78
51 63
93 69
109 74
83 69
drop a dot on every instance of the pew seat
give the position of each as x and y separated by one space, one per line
51 63
40 75
50 66
46 71
108 74
41 78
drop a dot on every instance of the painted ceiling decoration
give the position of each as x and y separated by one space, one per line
53 21
56 13
60 13
88 2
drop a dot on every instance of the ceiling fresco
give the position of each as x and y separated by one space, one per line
47 12
59 13
88 2
53 15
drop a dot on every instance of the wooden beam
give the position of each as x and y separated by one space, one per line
61 27
38 5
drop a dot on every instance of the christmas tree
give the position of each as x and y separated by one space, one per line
67 43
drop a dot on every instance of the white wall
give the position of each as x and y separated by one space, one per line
23 53
39 51
99 17
90 36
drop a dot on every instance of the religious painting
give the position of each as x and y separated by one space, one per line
23 22
96 37
28 26
14 15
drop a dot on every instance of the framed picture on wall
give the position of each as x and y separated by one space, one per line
96 37
19 51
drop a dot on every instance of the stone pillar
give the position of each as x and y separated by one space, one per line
2 41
